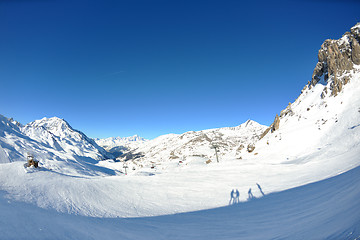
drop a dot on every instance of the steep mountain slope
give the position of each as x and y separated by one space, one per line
54 144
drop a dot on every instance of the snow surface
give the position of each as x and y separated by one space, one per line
329 209
317 147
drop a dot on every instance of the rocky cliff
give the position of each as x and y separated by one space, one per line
335 60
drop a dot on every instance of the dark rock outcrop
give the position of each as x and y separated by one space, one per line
287 111
355 51
250 148
274 126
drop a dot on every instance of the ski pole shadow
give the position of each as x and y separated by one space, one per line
261 191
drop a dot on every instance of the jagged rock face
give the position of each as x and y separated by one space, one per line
355 51
276 124
287 111
337 57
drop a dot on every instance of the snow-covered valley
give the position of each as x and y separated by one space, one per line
296 179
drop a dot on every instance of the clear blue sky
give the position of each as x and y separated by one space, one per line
119 68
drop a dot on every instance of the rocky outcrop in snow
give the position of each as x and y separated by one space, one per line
337 63
335 59
326 112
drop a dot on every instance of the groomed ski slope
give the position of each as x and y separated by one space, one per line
328 209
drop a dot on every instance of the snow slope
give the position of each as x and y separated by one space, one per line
328 209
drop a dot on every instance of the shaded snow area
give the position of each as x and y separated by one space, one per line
301 181
328 209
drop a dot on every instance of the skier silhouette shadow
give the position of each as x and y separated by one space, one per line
234 197
250 195
258 185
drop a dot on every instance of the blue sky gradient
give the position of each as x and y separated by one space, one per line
119 68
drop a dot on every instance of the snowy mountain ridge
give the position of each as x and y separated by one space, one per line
62 129
111 142
172 148
54 143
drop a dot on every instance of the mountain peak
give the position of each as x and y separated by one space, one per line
356 27
249 122
51 124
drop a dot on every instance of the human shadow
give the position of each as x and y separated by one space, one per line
250 195
258 185
234 197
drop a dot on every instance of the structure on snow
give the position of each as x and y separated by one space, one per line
31 161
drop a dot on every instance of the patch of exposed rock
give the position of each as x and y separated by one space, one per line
274 126
250 147
335 59
287 111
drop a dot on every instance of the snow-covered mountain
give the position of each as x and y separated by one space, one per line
54 143
303 171
117 146
228 141
119 141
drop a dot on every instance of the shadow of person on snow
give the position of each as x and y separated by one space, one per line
250 195
234 197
